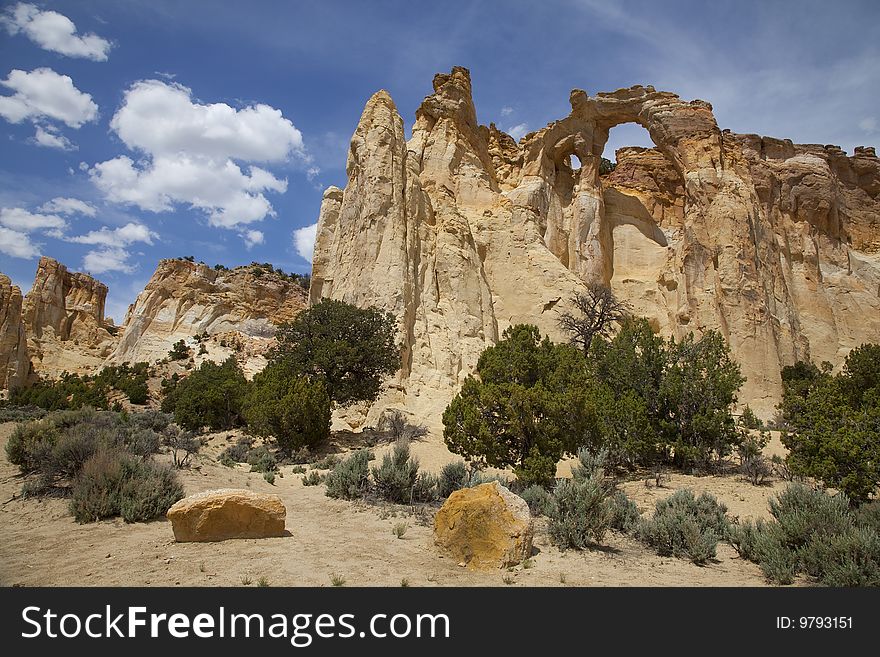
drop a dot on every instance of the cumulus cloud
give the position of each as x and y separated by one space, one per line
190 154
23 221
304 241
125 235
53 31
252 238
106 260
68 206
49 137
17 244
45 94
518 131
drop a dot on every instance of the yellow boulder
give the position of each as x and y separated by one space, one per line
217 515
485 527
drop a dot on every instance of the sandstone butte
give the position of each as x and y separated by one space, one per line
485 527
60 324
461 231
225 513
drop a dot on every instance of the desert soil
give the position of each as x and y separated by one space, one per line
41 545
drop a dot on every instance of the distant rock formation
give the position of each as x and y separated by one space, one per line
63 317
461 232
15 365
238 307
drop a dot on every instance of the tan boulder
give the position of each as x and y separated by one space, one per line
485 527
217 515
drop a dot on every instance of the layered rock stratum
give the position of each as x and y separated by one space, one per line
63 316
238 309
15 364
461 231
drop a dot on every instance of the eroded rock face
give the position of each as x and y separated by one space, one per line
462 232
218 515
485 527
15 365
63 316
184 299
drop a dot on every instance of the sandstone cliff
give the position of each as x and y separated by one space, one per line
461 232
15 365
238 309
63 317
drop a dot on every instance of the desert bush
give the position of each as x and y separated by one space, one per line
540 501
395 478
350 479
327 463
426 488
397 426
20 413
685 526
582 509
625 516
314 478
153 420
262 460
868 516
142 442
753 464
581 513
183 445
453 476
298 469
113 483
31 443
804 514
237 453
748 419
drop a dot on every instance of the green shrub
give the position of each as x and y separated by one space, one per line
685 526
209 397
581 513
298 469
16 413
851 558
426 488
453 476
868 516
113 483
804 514
540 501
625 516
179 351
314 478
350 479
237 453
269 476
30 444
289 408
395 479
262 460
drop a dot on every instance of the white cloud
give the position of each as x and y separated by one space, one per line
56 32
518 131
17 245
304 241
68 206
868 124
22 221
43 93
506 110
191 148
252 238
107 259
125 235
50 138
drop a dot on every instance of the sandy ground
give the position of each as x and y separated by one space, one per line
41 545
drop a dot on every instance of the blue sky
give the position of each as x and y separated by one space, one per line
133 131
